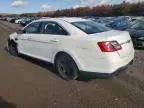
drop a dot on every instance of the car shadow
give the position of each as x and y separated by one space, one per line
40 63
5 104
139 48
51 68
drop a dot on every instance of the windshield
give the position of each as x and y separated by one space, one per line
90 27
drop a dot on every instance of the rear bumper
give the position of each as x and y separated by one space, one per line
105 75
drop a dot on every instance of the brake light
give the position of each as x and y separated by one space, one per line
109 46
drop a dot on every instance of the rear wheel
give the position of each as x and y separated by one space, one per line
66 67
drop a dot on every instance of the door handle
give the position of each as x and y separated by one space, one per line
54 40
29 38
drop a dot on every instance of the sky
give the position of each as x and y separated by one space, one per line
27 6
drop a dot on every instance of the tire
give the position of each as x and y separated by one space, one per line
66 67
13 50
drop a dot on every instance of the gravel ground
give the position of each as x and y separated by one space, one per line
28 83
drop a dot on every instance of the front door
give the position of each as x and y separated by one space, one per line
49 40
26 43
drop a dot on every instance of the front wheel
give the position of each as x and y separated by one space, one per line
66 67
13 50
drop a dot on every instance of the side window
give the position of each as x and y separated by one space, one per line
32 28
52 28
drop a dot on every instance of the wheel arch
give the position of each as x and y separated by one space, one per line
11 41
72 55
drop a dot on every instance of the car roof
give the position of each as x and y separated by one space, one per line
70 20
73 19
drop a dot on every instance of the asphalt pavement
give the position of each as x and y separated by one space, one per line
29 83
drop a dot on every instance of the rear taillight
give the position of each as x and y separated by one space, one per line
109 46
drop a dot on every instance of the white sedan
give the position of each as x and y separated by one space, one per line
75 46
18 21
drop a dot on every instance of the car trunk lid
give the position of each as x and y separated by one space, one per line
122 37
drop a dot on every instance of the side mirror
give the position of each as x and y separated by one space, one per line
20 30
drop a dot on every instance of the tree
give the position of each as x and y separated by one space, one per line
103 10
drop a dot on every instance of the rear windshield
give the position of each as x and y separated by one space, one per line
90 27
